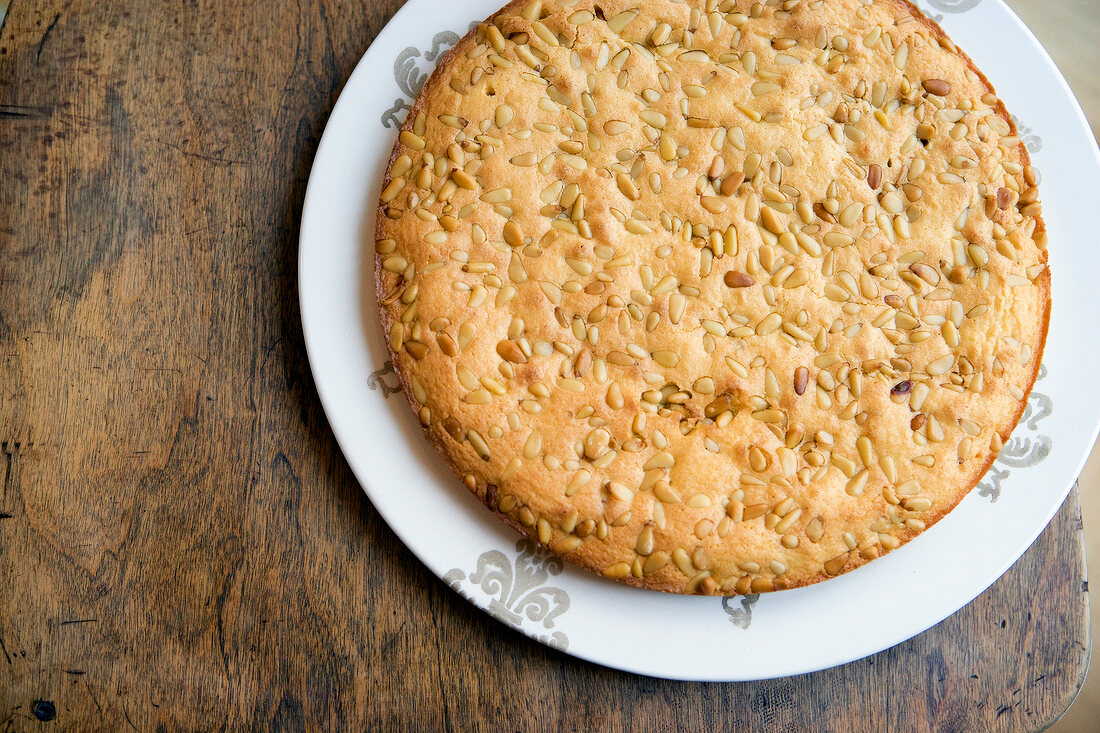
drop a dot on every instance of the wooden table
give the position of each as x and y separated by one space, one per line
182 544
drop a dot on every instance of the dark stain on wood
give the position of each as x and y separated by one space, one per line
44 710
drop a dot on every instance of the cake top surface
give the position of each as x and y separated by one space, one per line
713 297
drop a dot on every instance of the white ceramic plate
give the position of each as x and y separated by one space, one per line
778 634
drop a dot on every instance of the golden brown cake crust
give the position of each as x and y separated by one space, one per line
755 411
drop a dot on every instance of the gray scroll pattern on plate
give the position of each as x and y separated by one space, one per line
954 6
1033 143
377 380
410 75
1027 447
946 6
740 617
514 590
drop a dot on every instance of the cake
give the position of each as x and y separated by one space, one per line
713 297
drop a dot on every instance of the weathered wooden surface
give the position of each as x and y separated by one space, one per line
181 543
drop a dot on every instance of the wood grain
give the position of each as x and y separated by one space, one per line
181 543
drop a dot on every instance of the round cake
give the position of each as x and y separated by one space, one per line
713 297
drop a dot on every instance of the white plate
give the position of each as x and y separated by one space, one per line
778 634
